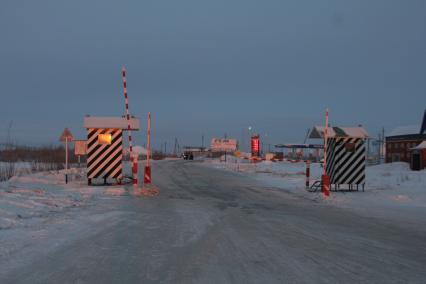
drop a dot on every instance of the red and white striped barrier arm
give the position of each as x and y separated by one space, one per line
132 157
308 173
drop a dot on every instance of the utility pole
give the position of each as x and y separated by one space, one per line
242 142
165 147
383 143
176 148
379 147
9 140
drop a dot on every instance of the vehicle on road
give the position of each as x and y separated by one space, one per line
187 155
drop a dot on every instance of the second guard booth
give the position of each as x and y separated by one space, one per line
346 155
105 146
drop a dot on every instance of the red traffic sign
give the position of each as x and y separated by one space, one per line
66 136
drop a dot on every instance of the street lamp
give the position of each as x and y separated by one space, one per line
249 140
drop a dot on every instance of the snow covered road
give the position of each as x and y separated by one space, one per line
210 226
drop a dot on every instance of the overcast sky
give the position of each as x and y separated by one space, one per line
211 67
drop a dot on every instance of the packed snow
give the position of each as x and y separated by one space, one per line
392 191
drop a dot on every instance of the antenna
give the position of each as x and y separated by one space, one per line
307 134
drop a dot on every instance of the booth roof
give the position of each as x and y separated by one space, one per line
421 146
110 122
353 132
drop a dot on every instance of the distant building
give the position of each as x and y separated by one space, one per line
402 139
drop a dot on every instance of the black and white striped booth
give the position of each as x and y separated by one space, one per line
346 155
105 146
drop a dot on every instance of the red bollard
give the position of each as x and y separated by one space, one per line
135 172
147 175
308 172
326 185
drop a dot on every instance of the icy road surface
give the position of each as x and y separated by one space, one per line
211 226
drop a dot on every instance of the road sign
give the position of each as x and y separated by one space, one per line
80 147
66 136
223 145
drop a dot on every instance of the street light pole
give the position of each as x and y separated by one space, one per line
249 140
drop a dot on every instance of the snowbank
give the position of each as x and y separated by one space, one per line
31 197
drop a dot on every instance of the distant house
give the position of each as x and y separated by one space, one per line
402 139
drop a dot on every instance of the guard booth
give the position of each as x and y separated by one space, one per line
105 146
346 155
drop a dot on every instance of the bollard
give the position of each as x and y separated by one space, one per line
325 185
147 175
308 172
135 171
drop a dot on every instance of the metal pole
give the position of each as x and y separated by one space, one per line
149 140
66 159
383 145
325 177
66 154
325 142
147 173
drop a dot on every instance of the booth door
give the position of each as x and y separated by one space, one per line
415 162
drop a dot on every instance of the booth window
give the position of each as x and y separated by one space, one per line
104 139
350 147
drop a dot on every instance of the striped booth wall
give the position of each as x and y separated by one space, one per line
346 160
104 160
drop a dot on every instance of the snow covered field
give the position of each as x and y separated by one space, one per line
393 191
29 198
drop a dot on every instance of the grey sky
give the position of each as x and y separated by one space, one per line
211 67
